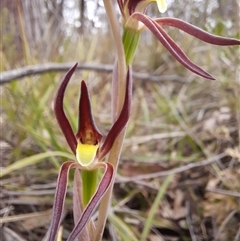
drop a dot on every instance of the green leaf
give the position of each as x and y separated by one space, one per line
122 228
154 207
28 161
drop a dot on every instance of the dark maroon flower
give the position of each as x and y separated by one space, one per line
135 19
89 149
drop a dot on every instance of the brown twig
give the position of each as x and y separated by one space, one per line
224 223
146 138
17 74
209 161
16 218
189 222
223 192
237 236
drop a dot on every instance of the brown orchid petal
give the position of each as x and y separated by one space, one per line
132 5
87 133
93 203
197 32
170 45
122 119
59 198
60 114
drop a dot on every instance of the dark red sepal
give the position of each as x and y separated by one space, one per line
60 114
122 119
86 122
197 32
170 45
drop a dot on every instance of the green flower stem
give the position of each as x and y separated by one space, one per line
130 42
89 184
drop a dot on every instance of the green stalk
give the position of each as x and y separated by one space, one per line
89 184
130 42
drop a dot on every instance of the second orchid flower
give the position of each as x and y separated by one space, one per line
135 20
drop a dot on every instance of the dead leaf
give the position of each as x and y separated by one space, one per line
234 152
176 210
129 169
219 205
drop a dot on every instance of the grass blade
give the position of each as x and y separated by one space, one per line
122 228
154 207
33 160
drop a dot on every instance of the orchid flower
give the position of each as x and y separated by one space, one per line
135 20
90 148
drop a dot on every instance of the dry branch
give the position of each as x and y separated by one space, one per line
16 74
121 179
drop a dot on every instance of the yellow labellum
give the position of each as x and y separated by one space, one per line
86 154
162 5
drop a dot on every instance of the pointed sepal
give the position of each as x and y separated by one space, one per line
87 130
197 32
170 45
60 114
122 119
88 135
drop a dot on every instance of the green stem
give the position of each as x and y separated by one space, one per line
130 42
89 185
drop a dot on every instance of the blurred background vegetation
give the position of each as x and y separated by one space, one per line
177 118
